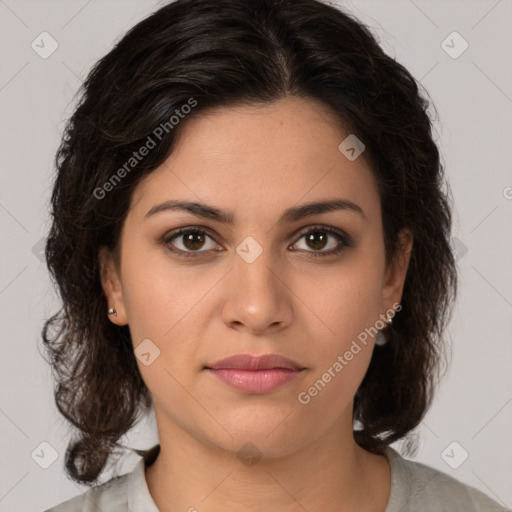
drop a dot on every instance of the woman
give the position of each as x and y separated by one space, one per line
250 237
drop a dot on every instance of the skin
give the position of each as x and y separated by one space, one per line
257 161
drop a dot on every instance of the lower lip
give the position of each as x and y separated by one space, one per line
257 382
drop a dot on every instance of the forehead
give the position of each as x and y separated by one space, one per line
260 159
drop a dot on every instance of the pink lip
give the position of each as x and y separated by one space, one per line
256 375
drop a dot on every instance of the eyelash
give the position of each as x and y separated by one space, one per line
345 241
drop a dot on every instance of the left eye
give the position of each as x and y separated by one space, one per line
318 238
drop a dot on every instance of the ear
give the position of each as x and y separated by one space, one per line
396 271
111 284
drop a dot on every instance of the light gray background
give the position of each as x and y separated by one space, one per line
473 95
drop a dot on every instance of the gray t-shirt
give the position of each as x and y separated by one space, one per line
415 487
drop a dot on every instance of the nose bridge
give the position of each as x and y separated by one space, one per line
258 296
254 268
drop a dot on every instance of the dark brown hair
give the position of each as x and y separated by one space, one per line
221 53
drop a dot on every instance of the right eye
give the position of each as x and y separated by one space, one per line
187 241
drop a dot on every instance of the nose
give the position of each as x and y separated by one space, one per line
257 298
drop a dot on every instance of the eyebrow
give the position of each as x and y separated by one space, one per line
290 215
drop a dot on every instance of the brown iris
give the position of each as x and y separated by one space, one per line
193 240
316 239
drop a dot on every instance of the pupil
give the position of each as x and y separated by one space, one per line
189 240
318 240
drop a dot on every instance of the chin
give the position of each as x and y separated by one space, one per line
270 435
258 445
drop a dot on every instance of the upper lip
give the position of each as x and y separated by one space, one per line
249 362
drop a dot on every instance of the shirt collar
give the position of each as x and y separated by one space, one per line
139 498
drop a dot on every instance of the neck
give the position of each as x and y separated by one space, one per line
331 473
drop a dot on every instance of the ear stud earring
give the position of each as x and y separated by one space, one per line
112 311
380 339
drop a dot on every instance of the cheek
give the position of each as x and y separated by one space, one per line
328 394
345 300
159 295
165 304
344 350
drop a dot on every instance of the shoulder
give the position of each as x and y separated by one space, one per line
111 496
120 494
417 487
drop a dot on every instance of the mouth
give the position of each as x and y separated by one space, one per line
256 375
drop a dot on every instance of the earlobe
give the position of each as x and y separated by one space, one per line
111 284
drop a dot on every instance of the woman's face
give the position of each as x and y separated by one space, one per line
258 284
